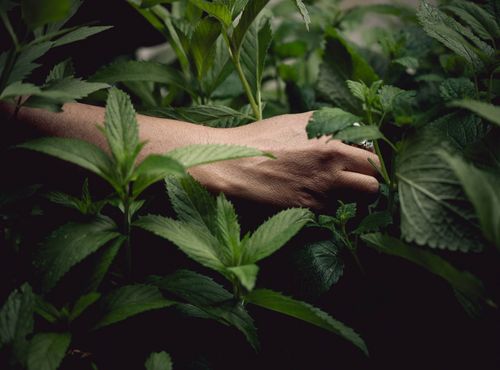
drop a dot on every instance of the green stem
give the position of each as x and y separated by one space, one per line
383 168
10 30
352 249
126 231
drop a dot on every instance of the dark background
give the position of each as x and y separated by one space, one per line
408 318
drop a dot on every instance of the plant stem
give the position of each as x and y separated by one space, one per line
383 168
126 231
10 30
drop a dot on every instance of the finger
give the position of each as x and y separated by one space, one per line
358 160
359 182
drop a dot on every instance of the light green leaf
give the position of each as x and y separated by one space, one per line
303 12
16 321
356 134
19 89
488 111
228 228
358 89
329 121
79 152
193 240
39 12
47 350
202 44
125 71
158 361
209 115
121 129
252 10
274 233
70 244
61 71
130 300
154 168
84 302
195 155
275 301
462 281
374 222
246 274
81 33
216 10
483 190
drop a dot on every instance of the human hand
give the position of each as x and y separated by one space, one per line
305 172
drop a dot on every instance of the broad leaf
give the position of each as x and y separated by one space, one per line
47 350
483 190
274 233
462 281
488 111
70 244
158 361
329 121
16 321
130 300
194 155
356 134
193 240
320 266
304 311
79 152
434 208
154 168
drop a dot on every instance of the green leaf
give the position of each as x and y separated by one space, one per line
434 209
252 10
478 19
19 89
488 111
196 242
303 12
61 71
274 233
462 281
16 321
208 115
228 228
216 10
304 311
320 266
79 152
374 222
195 155
130 300
329 121
457 88
122 131
84 302
70 244
81 33
246 274
125 71
39 12
25 61
47 350
483 190
192 203
158 361
202 44
341 63
105 257
356 134
208 300
154 168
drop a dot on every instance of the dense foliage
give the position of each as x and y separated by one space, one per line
425 92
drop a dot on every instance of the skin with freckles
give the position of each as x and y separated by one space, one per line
305 172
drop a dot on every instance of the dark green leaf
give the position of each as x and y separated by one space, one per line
61 71
202 44
47 350
81 33
374 222
158 361
39 12
457 88
485 110
228 228
104 257
252 10
155 168
304 311
356 134
130 300
84 302
216 10
329 121
19 89
25 61
478 19
70 244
